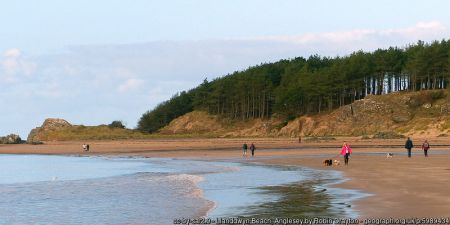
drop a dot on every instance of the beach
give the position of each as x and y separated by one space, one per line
398 186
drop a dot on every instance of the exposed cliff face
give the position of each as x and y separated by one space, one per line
403 112
202 123
50 124
406 113
196 122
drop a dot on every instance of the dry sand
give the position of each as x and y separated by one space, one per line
401 186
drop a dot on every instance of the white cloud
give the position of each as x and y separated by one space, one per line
12 53
130 84
13 65
344 42
72 83
420 30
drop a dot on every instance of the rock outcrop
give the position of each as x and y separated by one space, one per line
50 124
11 139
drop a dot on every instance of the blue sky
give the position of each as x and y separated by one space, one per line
92 62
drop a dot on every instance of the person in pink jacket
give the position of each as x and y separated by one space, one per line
346 151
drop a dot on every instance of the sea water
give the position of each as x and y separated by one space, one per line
41 189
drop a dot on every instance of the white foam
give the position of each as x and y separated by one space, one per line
195 179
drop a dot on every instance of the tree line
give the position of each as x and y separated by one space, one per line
310 85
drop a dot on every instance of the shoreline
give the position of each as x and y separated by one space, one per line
337 185
310 192
402 187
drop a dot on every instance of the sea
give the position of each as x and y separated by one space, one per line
47 189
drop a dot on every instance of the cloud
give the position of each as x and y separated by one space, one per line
12 53
130 84
345 42
13 66
422 30
138 76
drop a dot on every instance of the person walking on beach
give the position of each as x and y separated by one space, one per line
87 147
425 147
252 148
346 151
409 145
244 150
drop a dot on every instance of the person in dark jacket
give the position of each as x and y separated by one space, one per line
409 145
425 147
252 148
244 150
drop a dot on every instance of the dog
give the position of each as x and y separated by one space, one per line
328 162
336 162
389 155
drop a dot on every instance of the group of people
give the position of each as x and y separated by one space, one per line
409 145
346 150
245 147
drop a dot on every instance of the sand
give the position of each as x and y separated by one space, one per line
400 186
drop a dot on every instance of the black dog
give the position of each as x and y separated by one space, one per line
328 162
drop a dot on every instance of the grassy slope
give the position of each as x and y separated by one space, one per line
80 133
89 133
426 112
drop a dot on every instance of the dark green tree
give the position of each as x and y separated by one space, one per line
294 87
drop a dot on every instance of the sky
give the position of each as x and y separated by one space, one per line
92 62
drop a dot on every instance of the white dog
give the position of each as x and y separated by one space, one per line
389 155
336 162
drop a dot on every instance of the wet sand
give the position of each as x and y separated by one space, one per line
401 186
